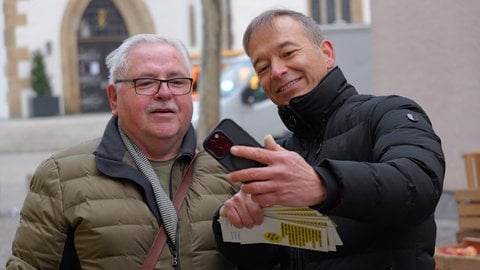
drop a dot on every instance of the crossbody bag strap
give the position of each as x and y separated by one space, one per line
161 237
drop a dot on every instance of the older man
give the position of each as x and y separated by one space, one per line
100 204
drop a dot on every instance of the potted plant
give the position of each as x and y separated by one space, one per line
43 104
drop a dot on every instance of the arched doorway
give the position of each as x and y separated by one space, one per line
102 29
90 30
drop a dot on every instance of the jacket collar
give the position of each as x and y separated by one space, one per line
307 115
112 147
113 160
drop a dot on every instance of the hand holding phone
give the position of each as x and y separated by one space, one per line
226 134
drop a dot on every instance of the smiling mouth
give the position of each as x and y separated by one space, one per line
285 87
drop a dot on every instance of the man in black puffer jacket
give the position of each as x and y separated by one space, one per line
374 165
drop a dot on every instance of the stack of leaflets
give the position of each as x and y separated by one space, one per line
300 227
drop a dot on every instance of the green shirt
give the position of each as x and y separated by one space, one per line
163 170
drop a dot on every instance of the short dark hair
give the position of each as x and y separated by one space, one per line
266 18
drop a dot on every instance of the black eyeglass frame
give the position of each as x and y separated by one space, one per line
134 81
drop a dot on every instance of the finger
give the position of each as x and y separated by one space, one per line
258 154
256 187
222 212
256 212
249 174
254 152
230 210
246 218
265 200
239 212
271 144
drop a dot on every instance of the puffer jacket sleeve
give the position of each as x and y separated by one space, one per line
41 233
400 182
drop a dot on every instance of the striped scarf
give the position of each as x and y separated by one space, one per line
164 204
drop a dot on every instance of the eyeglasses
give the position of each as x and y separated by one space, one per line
151 86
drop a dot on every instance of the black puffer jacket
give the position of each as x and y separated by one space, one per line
384 168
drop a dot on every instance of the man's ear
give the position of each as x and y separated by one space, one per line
329 51
112 98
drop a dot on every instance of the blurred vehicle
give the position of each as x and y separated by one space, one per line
243 100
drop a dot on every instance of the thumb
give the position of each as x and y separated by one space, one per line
270 143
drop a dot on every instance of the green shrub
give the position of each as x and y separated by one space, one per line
39 78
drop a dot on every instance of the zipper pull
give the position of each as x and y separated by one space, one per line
174 260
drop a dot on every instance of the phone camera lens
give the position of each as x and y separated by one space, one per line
219 144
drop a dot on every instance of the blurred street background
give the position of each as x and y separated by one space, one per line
26 142
383 46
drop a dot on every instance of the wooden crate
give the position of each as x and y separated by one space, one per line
454 262
472 168
468 207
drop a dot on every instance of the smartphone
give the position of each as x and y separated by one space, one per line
225 135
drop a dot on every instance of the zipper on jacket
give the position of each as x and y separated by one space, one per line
313 157
174 260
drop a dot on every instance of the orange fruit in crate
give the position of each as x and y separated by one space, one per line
459 251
